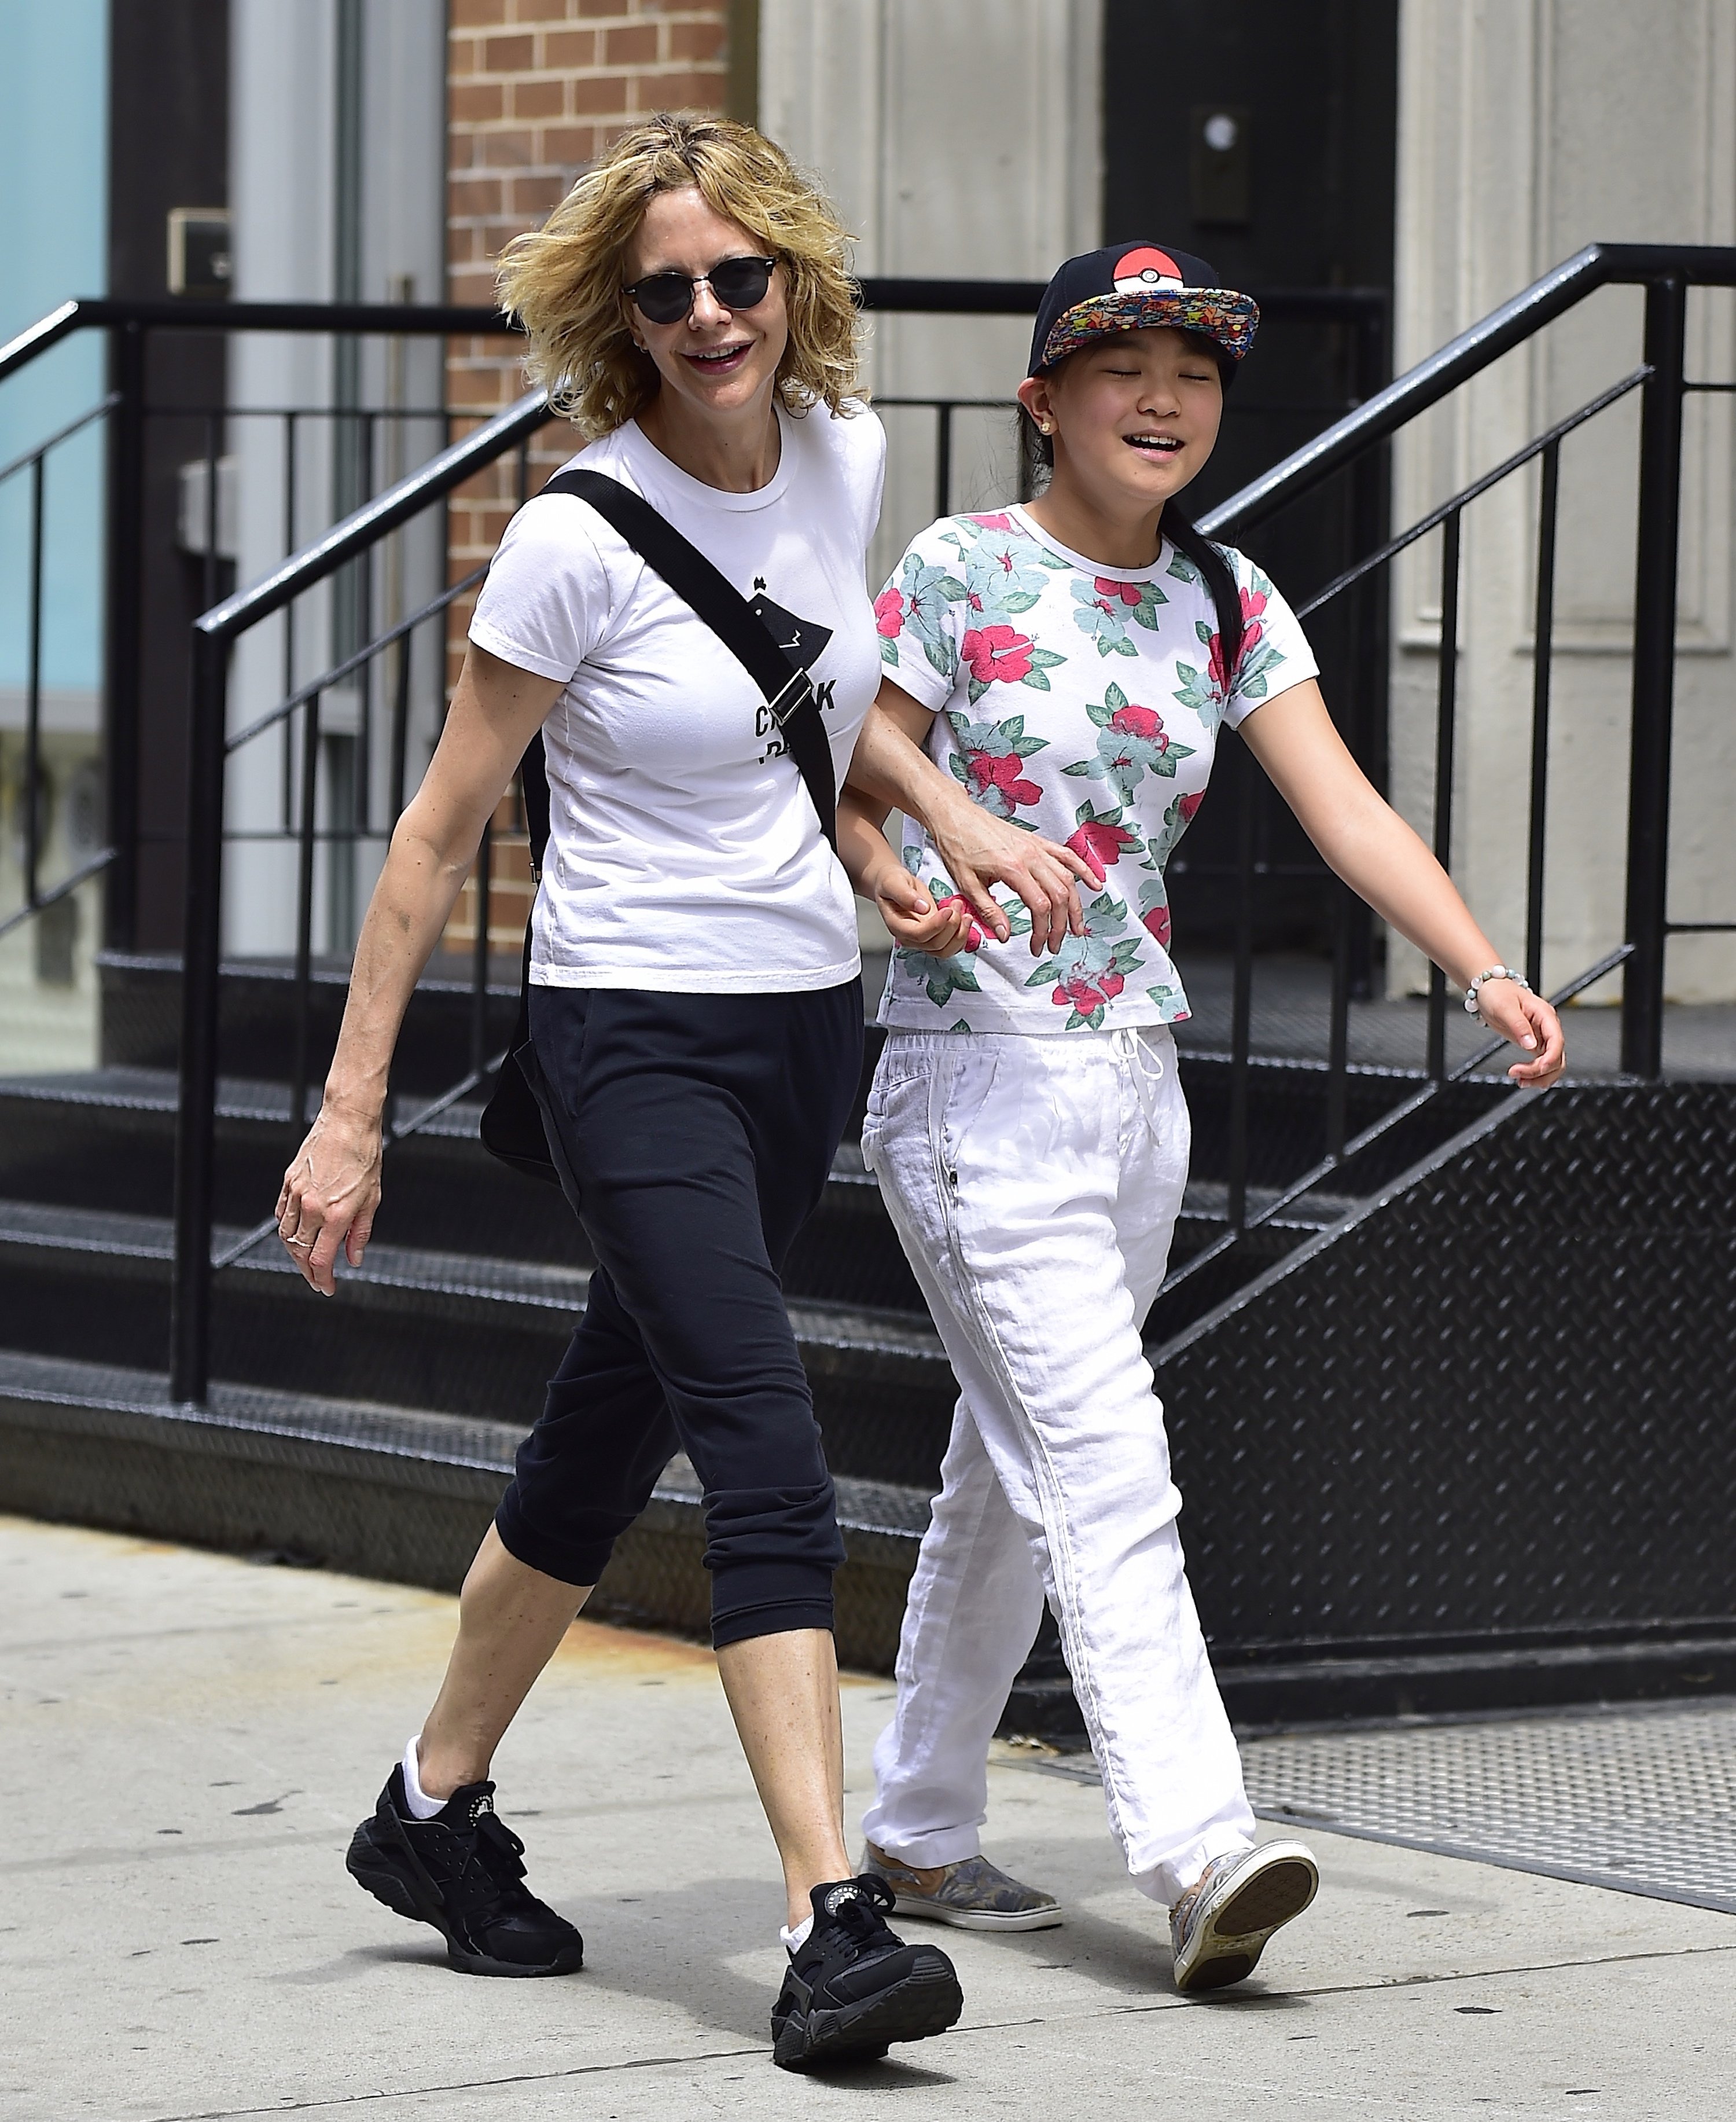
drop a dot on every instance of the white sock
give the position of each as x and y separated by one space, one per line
793 1941
421 1806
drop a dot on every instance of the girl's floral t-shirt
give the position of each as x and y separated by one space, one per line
1083 703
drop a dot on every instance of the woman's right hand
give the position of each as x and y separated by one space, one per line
978 850
890 767
331 1193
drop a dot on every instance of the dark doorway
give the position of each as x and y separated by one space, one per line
1263 135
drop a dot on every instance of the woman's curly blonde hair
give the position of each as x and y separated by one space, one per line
564 281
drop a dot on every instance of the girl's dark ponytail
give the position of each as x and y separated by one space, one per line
1220 579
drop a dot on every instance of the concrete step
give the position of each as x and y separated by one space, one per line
457 1334
105 1140
383 1490
256 1013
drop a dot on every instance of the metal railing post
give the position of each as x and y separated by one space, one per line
1446 712
32 821
307 831
943 459
195 1141
1241 1007
1542 672
1655 676
124 557
1369 510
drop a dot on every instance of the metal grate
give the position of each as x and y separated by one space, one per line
1643 1801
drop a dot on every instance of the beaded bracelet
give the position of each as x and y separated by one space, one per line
1494 972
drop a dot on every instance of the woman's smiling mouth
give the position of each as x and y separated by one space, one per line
1162 445
720 360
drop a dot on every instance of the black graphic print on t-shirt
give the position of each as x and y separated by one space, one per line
804 642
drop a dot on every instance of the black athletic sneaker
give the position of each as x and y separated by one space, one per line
461 1871
854 1987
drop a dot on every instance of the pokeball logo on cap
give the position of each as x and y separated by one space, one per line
1146 271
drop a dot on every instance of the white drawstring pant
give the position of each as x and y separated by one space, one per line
1034 1183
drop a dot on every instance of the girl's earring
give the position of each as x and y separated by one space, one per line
1048 426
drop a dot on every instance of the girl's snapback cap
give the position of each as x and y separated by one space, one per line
1127 285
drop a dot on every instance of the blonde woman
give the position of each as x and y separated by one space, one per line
696 1015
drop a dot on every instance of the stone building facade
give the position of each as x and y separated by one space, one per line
1477 144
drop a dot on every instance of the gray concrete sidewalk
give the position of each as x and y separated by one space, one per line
188 1740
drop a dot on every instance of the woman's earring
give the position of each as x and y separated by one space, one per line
1046 426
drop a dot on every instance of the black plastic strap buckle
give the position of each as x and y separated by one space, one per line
791 696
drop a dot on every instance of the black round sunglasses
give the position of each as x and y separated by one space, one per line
739 283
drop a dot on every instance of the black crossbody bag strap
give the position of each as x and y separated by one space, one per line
789 692
515 1125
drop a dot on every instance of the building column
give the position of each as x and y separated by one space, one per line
1528 128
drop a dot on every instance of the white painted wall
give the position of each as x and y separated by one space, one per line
1528 127
281 178
962 141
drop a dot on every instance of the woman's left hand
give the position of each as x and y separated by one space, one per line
1529 1022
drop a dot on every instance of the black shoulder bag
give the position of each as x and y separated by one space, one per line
512 1122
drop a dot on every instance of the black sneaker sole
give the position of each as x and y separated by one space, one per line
387 1867
927 2001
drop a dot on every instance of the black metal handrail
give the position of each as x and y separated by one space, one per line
981 298
128 325
1562 288
37 899
1665 272
1354 444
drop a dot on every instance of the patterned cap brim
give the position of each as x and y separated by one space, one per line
1222 315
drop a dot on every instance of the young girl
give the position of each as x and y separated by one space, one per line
1057 677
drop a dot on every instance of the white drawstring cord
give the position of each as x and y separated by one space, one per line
1133 1047
1148 1068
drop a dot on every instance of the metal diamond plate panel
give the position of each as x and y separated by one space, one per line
1499 1403
1644 1802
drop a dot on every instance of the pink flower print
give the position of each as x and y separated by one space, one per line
994 522
1187 805
997 652
1005 773
1129 593
1254 603
1088 991
1156 919
1143 722
1100 842
974 939
888 613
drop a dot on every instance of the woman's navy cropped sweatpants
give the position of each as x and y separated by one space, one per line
698 1131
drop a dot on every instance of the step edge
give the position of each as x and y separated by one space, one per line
818 1322
861 1502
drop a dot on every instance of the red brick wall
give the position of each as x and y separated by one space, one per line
536 90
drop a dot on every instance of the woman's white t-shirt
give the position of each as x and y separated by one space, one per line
684 853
